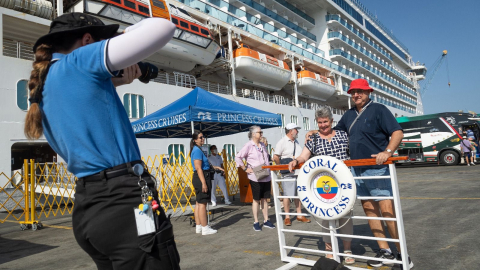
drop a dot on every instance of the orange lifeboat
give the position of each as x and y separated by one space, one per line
192 43
314 85
252 67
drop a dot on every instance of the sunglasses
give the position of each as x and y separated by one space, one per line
201 137
360 92
261 132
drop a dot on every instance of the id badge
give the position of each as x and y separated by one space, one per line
144 220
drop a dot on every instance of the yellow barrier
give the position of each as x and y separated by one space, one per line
43 190
12 197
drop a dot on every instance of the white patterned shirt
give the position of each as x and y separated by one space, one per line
337 148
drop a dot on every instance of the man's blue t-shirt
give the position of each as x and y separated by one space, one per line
370 134
84 120
197 154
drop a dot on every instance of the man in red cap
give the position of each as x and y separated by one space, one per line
373 132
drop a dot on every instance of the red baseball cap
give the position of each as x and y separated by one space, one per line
361 84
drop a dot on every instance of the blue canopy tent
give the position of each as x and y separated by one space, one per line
200 110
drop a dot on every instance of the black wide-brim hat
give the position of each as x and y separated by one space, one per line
77 22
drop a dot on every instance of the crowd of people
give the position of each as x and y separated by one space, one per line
112 179
367 130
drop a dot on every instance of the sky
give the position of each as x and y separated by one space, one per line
426 28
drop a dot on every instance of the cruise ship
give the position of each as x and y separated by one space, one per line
286 57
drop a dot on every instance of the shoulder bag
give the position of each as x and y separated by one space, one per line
259 172
209 174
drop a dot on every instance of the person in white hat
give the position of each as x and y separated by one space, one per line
285 151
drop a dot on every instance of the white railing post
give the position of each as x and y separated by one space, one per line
399 216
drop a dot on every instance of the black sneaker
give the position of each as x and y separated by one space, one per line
382 254
399 266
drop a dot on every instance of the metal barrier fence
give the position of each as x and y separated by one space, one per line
43 190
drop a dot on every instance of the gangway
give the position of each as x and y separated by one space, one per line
293 261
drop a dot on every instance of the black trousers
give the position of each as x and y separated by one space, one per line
104 226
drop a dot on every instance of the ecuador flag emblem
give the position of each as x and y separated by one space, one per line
327 187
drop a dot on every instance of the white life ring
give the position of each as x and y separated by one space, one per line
326 187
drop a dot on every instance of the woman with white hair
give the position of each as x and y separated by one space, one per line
255 154
334 143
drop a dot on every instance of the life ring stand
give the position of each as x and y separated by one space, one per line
326 188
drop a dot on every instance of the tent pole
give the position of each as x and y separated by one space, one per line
191 124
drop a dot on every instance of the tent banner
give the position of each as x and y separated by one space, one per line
161 122
264 119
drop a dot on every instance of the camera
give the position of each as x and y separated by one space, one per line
149 71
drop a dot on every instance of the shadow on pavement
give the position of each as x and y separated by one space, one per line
12 250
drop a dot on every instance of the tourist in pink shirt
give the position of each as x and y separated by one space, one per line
256 154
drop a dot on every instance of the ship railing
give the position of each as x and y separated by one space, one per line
18 49
191 82
185 80
214 87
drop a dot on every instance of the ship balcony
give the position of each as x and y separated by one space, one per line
338 40
235 16
379 24
338 55
291 8
251 24
335 21
253 7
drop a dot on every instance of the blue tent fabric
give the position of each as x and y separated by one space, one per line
213 115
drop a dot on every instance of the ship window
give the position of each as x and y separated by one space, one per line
176 154
134 105
194 28
294 119
183 24
143 9
129 4
282 116
158 4
230 150
175 21
205 32
117 1
22 95
306 123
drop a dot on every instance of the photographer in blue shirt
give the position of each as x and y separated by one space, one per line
76 106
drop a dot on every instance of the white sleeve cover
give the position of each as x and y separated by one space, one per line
139 41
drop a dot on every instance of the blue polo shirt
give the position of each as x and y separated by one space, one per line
84 120
197 154
371 133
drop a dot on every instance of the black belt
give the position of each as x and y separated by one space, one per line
113 172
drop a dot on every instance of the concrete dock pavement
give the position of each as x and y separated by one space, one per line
440 208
